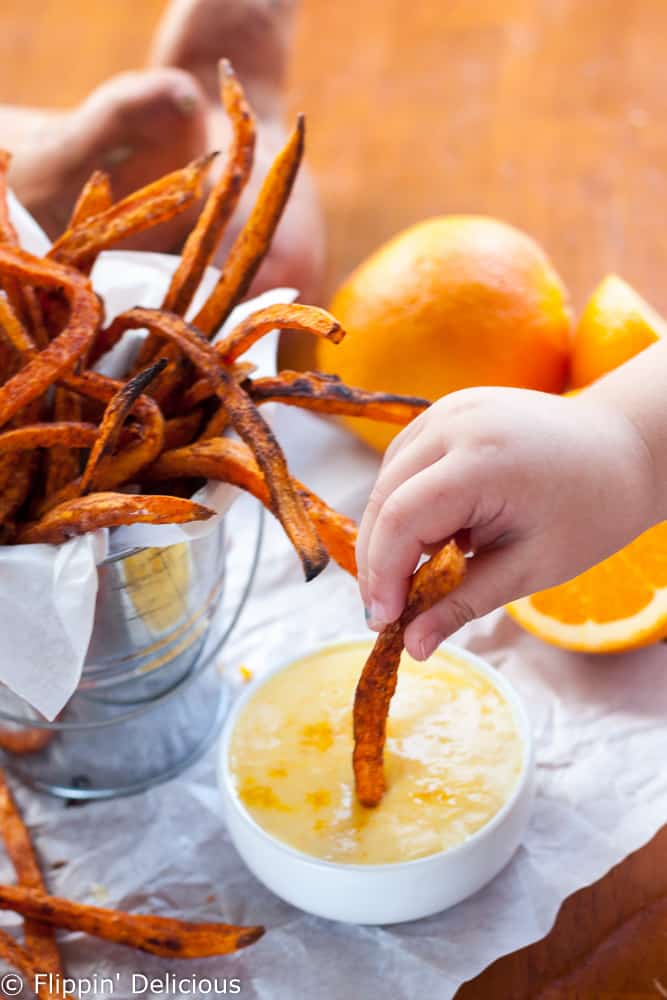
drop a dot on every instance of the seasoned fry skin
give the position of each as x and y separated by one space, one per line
156 935
39 938
13 330
25 740
328 394
94 199
430 584
232 462
249 425
253 242
249 249
307 319
117 409
318 393
113 470
180 431
63 462
109 510
70 434
151 205
85 312
28 965
293 316
203 241
7 231
16 490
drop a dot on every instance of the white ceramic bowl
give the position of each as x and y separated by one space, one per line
384 893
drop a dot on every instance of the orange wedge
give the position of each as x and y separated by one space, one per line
622 602
616 324
619 604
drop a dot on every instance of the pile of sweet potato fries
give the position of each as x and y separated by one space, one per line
79 450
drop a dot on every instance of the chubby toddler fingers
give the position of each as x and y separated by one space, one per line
493 578
429 507
422 451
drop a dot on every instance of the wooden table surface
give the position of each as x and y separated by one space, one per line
551 114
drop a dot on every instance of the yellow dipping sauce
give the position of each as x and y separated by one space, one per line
452 758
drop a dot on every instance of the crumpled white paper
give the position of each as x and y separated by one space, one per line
47 592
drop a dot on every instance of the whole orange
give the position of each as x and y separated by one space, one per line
452 302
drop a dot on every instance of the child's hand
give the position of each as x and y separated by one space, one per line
539 487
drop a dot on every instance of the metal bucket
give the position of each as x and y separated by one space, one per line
150 700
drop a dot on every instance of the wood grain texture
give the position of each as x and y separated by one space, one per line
52 52
551 114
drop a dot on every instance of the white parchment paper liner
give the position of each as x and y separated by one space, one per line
47 592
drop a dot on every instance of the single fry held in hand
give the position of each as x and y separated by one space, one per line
430 584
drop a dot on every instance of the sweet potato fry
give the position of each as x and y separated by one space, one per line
28 965
8 235
85 310
109 510
232 462
253 242
18 341
219 420
16 490
205 238
432 581
249 425
22 297
93 385
33 316
328 394
13 330
25 740
308 319
8 363
156 935
294 316
62 461
22 469
217 424
39 937
319 393
69 433
15 475
94 199
180 431
125 465
114 416
141 210
7 231
201 389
